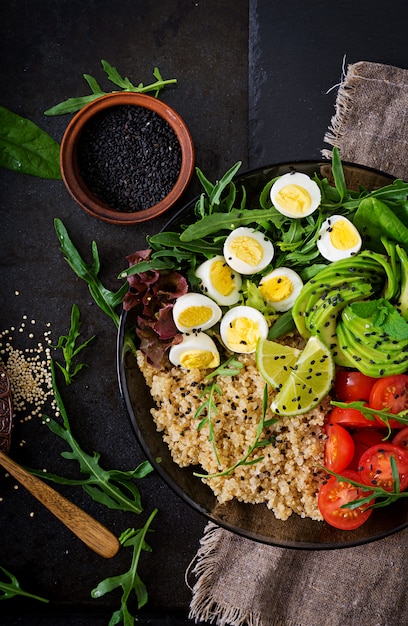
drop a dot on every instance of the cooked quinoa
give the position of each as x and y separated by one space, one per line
287 479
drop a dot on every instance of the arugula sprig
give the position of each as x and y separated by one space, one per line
376 497
383 414
107 300
130 580
75 104
113 488
70 350
231 367
257 443
11 588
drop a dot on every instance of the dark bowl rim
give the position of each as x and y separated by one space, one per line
74 181
312 545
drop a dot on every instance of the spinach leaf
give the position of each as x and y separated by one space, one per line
375 219
26 148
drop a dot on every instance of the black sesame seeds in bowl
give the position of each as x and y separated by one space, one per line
126 158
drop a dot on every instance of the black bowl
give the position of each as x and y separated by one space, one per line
254 521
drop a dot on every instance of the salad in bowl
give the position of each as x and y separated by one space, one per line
269 322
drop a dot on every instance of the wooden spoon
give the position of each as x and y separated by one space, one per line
90 531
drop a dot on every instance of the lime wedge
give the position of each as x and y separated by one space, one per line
309 381
275 361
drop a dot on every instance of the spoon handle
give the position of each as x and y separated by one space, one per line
85 527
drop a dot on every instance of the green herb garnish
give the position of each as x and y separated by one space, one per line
257 443
70 350
113 488
129 581
12 588
75 104
107 300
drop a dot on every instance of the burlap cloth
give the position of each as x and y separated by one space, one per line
238 582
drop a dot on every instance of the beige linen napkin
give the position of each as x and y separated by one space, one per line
238 582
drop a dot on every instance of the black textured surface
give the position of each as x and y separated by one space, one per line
46 47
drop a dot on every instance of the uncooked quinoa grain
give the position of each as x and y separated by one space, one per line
287 479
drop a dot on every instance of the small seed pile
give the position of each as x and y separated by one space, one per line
129 157
28 368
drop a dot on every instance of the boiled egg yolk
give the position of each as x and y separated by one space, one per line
247 250
241 327
280 288
219 281
295 195
195 352
195 311
338 238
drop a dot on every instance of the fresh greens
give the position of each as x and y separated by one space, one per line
375 219
26 148
69 349
129 581
257 443
231 367
383 315
75 104
113 488
11 588
107 300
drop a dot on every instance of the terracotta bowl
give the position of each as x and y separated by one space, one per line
79 181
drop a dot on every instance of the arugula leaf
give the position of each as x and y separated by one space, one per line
75 104
216 222
26 148
107 300
130 580
12 588
69 350
112 488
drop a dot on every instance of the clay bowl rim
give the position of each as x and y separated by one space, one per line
72 176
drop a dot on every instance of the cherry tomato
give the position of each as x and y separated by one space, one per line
363 439
390 393
352 385
334 494
350 418
401 438
375 466
339 448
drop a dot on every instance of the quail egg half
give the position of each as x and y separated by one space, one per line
241 327
195 351
280 288
295 195
195 311
338 238
247 250
219 281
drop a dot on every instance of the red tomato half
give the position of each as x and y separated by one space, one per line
375 466
401 438
350 418
390 393
352 385
334 494
339 448
363 439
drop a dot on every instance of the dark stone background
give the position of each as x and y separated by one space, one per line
252 86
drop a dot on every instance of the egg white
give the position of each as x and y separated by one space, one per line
199 350
325 243
196 301
243 238
304 184
204 273
295 284
242 315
